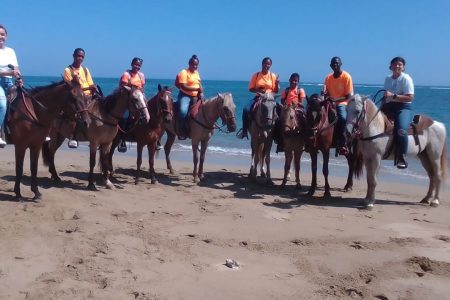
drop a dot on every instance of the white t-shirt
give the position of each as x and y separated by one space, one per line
403 85
7 56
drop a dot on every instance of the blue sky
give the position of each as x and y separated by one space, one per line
231 37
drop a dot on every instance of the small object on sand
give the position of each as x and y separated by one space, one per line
231 263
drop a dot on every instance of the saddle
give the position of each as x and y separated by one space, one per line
417 126
193 110
328 119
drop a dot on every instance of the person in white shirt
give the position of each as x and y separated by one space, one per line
9 68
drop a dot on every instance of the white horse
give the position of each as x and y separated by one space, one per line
261 131
364 118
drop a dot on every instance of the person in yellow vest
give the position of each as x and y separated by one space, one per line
132 78
84 77
260 83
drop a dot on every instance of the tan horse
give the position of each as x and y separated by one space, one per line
264 116
202 129
160 108
292 121
30 118
105 115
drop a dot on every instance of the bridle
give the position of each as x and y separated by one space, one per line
272 120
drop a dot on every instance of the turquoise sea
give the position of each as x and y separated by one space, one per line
227 149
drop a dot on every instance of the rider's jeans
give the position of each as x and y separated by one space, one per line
340 125
5 83
402 118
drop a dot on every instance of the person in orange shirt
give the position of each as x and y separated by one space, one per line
338 87
260 83
293 94
132 78
189 83
85 79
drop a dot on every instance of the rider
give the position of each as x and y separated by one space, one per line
398 98
131 78
85 79
189 83
338 87
7 59
260 83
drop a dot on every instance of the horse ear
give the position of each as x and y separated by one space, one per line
219 95
127 87
159 87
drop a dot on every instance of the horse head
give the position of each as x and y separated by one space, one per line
266 113
137 104
165 103
227 111
356 113
79 102
315 102
291 119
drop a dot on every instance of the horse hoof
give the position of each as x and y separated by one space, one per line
110 186
282 185
348 189
154 181
92 187
425 201
369 207
171 172
327 195
298 187
196 180
56 179
434 203
136 181
311 192
37 197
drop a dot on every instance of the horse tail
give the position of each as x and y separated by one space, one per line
444 160
46 153
357 160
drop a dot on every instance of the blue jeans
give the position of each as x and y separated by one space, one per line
341 111
5 84
401 112
184 101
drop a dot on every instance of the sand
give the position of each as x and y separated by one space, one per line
171 240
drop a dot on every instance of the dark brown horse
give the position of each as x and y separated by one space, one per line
202 129
292 121
105 115
160 108
30 118
320 131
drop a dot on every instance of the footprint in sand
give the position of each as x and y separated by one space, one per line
277 216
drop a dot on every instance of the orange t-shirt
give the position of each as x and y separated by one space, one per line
129 79
294 96
85 79
339 87
190 79
265 82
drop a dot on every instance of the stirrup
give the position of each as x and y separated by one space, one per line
240 134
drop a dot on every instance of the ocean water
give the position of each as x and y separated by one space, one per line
227 149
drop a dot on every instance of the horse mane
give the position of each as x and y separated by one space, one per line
110 101
38 89
379 121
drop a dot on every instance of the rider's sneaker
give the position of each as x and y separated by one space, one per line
242 134
402 164
47 139
73 144
122 147
158 145
343 151
2 143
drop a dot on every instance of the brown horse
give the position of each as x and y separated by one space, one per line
292 121
320 130
105 115
30 118
160 108
263 115
202 129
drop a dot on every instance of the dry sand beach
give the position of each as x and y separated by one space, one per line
171 240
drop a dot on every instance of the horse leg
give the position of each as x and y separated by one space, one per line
151 148
167 147
195 158
267 157
104 161
427 166
92 154
139 149
312 189
34 158
261 159
350 159
325 171
287 166
20 155
253 165
372 164
297 156
114 145
50 148
204 145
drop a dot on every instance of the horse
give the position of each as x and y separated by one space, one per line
263 118
369 126
202 127
320 131
292 123
105 115
30 118
160 108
